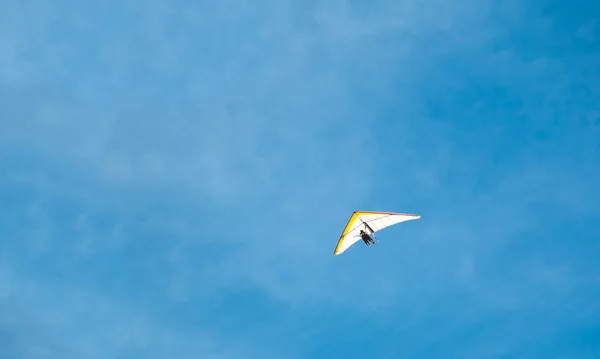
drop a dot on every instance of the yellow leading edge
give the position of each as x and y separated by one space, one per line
370 222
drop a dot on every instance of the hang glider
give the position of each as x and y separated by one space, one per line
364 223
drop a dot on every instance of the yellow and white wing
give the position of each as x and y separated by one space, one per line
370 222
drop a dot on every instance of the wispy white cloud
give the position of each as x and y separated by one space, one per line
47 321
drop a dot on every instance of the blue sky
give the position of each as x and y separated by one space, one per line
175 176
